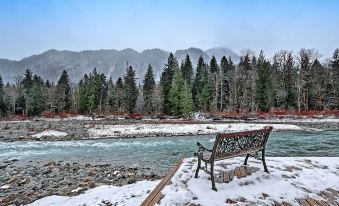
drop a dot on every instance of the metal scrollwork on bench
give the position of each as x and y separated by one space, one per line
229 145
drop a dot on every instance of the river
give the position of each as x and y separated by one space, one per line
160 153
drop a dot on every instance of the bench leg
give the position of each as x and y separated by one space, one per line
247 156
264 162
198 168
212 178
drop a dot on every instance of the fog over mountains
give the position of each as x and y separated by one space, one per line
51 63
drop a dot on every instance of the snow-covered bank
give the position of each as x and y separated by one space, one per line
301 120
129 195
178 129
290 178
48 133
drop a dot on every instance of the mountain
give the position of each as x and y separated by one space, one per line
51 63
219 52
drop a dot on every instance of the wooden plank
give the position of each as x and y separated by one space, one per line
303 202
155 195
311 202
286 204
334 192
329 198
321 202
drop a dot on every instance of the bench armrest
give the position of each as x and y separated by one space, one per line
201 151
202 148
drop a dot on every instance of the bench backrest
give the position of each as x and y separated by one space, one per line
233 144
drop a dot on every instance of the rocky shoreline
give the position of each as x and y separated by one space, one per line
68 130
23 184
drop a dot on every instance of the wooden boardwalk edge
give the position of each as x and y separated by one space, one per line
155 195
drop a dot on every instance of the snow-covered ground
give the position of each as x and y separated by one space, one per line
290 178
49 133
128 195
178 129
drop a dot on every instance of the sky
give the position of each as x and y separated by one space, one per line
30 27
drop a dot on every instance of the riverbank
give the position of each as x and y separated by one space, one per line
292 181
81 128
25 183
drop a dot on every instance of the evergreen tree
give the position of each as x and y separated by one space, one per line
226 80
130 90
27 81
199 84
187 102
111 103
290 82
214 82
166 81
187 71
35 100
214 67
148 88
335 74
180 95
263 84
175 92
243 80
3 105
119 92
63 94
82 94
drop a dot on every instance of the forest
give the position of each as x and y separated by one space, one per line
290 82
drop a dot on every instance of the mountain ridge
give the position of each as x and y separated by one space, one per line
111 62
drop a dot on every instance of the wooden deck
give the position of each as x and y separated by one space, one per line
155 196
328 197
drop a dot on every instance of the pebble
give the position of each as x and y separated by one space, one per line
23 184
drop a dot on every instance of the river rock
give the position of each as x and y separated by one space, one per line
9 199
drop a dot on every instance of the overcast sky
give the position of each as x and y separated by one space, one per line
33 26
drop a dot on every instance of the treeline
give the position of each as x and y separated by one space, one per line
290 82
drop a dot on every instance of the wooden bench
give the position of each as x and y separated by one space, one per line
228 145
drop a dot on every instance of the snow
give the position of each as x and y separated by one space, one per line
50 133
179 129
302 120
128 195
313 175
3 187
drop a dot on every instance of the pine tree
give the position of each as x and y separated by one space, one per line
35 100
187 71
204 95
263 84
148 88
289 79
130 90
166 81
225 85
335 74
3 105
63 94
83 94
119 92
27 81
111 103
214 82
243 80
180 95
187 102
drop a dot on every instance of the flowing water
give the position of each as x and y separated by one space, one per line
160 153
